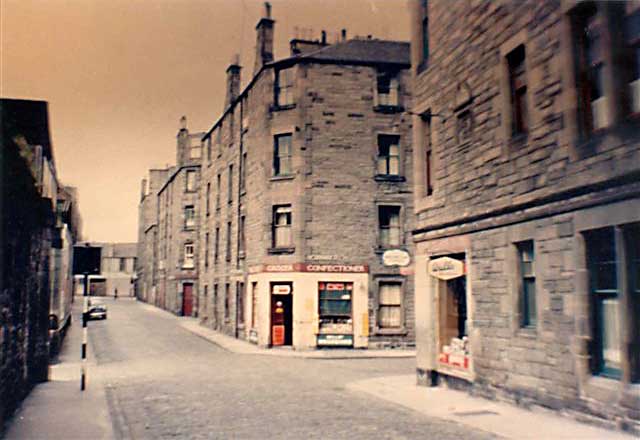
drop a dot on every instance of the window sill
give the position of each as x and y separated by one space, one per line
189 229
519 139
282 177
281 250
243 192
400 331
190 191
278 108
382 249
188 267
388 109
529 332
389 178
241 255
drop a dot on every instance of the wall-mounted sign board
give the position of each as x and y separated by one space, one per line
446 268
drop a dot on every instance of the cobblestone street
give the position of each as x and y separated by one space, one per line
164 382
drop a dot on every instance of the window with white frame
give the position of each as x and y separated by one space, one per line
191 181
282 155
284 87
389 305
189 217
389 226
188 262
282 226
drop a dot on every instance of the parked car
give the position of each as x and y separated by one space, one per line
97 310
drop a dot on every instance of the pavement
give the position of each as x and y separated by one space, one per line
501 419
150 378
58 409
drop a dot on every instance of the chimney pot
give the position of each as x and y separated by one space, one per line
324 37
267 9
344 34
183 123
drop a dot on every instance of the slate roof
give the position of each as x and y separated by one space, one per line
364 51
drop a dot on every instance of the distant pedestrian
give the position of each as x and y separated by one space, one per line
115 294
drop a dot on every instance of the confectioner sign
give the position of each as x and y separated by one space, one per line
446 268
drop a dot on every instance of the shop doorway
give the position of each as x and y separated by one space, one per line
281 315
187 299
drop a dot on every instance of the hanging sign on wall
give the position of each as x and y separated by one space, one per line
446 268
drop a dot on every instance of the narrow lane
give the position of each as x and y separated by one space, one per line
165 382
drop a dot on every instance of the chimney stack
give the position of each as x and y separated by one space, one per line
264 39
144 190
233 81
183 123
344 34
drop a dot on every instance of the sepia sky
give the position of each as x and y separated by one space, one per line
118 74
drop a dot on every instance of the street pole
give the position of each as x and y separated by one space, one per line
85 310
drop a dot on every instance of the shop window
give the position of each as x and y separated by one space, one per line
528 308
282 226
335 302
389 226
390 305
282 155
188 262
632 247
284 87
189 217
387 89
230 185
388 155
518 88
191 181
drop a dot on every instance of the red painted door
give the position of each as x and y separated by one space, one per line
187 299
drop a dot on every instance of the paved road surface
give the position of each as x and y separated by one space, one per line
164 382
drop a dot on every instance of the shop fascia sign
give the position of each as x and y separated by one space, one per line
302 267
396 257
446 268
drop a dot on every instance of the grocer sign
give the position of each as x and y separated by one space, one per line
446 268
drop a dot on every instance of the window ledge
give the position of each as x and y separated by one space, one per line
190 229
188 267
281 250
400 331
519 139
282 177
389 178
277 108
382 249
243 192
388 109
527 332
241 255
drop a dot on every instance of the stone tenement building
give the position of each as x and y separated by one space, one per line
527 208
168 229
147 252
38 229
306 181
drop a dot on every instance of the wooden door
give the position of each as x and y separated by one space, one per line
187 299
